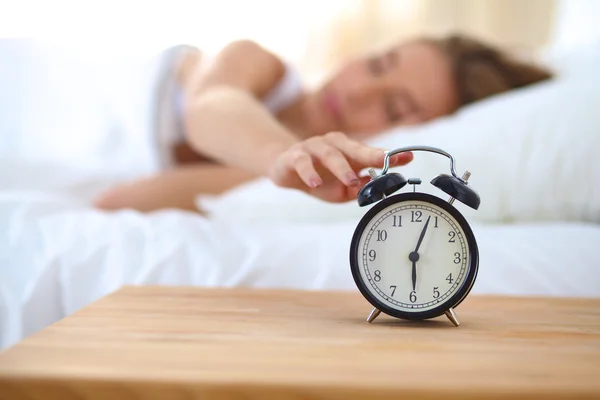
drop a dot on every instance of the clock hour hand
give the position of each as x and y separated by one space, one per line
414 274
414 257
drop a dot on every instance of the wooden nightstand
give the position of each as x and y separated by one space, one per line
184 343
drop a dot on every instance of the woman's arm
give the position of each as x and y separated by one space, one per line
226 122
231 127
234 129
176 188
224 116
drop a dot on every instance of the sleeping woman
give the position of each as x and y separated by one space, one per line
246 115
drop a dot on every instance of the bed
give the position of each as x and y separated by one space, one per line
533 158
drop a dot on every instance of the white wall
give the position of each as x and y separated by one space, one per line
113 26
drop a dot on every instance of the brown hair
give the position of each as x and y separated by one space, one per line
480 70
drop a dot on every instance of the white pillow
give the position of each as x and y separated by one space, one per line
573 62
533 155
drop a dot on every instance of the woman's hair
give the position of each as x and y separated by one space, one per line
480 70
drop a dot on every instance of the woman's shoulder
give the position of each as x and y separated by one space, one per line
260 68
271 78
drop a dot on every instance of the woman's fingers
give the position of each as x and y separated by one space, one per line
360 154
363 156
401 159
352 191
334 160
317 160
301 161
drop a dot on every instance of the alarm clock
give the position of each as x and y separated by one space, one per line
413 255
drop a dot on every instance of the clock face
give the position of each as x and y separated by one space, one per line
414 256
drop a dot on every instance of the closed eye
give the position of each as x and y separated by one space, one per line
383 63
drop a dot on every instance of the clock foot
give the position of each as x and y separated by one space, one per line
374 314
452 317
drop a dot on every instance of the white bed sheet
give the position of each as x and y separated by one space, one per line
57 255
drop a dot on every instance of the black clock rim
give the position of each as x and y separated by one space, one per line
460 294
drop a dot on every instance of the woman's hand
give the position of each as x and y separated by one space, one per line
327 166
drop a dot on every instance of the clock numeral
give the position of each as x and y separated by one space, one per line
393 288
418 214
452 235
377 275
372 255
397 220
413 296
449 279
436 292
457 258
436 225
381 235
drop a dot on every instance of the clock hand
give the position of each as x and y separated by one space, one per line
414 274
422 234
414 256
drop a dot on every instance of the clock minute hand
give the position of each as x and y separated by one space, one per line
422 234
414 256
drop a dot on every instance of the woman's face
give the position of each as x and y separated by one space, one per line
405 85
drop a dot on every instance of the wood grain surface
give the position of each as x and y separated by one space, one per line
188 343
